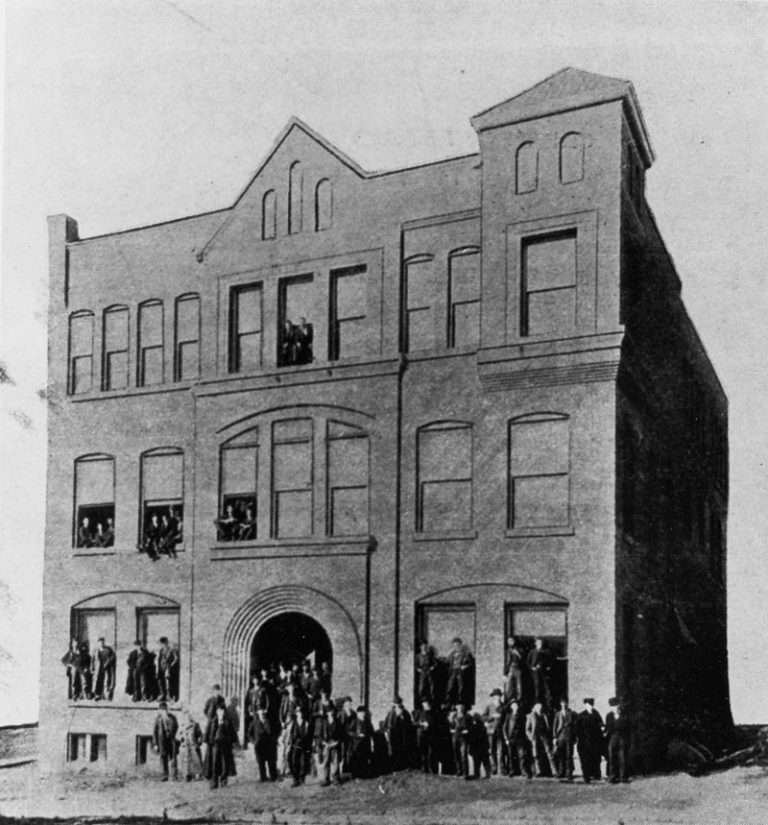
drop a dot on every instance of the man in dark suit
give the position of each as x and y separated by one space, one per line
329 736
164 740
304 336
514 736
426 735
167 662
138 663
300 747
219 759
589 740
617 734
84 533
514 672
264 738
564 736
398 728
493 720
540 666
75 660
104 661
460 662
539 735
426 667
461 724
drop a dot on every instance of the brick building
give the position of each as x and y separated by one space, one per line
505 423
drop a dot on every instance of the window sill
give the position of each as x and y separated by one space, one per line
114 551
538 532
281 548
447 535
121 704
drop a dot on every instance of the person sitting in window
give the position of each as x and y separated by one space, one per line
178 523
105 537
303 336
227 525
288 344
166 543
149 543
247 528
84 534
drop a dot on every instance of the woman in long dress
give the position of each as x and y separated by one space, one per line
190 740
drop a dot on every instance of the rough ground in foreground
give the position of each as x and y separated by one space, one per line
736 796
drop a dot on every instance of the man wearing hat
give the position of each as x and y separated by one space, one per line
617 733
515 739
493 719
398 729
329 737
564 736
540 666
538 733
104 661
164 740
425 721
167 661
300 746
362 737
264 737
460 662
461 724
589 740
348 721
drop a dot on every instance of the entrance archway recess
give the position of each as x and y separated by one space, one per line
290 638
334 619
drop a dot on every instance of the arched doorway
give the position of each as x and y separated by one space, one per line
290 638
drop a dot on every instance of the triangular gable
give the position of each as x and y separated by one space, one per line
567 89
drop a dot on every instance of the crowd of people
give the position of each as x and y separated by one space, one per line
102 535
296 343
238 521
298 730
152 675
163 531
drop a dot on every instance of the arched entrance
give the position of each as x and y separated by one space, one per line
290 638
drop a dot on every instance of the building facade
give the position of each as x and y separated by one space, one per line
461 399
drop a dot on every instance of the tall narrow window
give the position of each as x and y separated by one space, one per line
571 158
464 298
292 478
80 352
347 480
549 285
269 215
539 461
150 344
444 477
526 168
186 366
295 334
115 363
419 296
295 198
162 500
323 205
94 521
239 488
245 319
154 624
348 311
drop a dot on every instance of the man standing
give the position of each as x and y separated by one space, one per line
460 663
138 661
398 728
167 661
540 665
514 674
538 733
514 736
424 721
213 703
104 662
164 740
75 662
328 740
426 666
589 740
300 744
617 732
219 760
264 738
461 724
493 719
362 741
564 736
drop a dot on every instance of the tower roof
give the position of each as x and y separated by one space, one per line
565 90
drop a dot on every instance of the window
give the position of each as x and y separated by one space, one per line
444 475
292 478
526 168
348 310
464 298
549 285
86 747
295 333
347 480
239 488
150 344
323 205
186 366
143 748
94 501
115 364
154 624
269 215
80 352
162 496
439 625
419 294
548 623
571 158
295 195
538 471
245 320
92 624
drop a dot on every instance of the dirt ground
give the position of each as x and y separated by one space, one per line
738 796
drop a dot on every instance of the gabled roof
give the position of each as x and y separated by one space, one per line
565 90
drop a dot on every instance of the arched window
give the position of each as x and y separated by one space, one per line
162 501
444 477
464 297
150 346
94 517
295 197
80 377
571 158
323 205
539 467
526 168
269 215
186 361
115 348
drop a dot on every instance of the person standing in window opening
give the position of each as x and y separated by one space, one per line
514 673
246 530
167 662
219 759
288 344
326 678
137 685
104 661
164 740
617 734
304 336
75 662
460 662
190 740
426 667
105 537
84 533
361 744
227 525
540 665
178 525
166 541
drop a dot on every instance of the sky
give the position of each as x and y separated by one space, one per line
122 113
